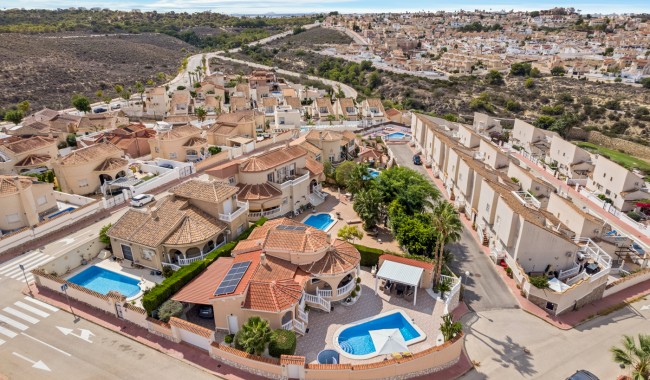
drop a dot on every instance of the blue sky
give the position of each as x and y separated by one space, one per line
344 6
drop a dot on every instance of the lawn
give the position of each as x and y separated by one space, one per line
620 158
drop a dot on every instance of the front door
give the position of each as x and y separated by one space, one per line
233 324
127 253
118 310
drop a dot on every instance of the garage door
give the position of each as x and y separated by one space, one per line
195 339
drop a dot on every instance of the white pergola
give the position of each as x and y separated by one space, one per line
400 273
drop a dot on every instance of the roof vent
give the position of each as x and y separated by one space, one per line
263 259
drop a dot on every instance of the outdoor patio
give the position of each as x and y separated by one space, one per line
322 326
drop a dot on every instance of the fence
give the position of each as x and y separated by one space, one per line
213 160
48 226
638 227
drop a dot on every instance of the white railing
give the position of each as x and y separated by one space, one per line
269 213
527 199
295 181
243 207
455 285
345 288
600 274
326 293
568 273
595 252
583 275
318 300
173 266
183 262
299 326
315 200
303 315
288 325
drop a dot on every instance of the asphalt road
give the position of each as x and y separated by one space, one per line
33 347
484 289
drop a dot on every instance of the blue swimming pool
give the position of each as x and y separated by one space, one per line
397 136
373 173
321 221
103 281
354 340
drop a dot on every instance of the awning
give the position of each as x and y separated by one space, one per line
402 273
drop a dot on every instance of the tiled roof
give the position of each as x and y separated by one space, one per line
111 163
268 160
46 114
374 102
28 144
292 359
34 159
407 261
8 185
257 192
195 141
254 258
349 135
222 129
240 116
340 258
272 287
392 112
324 135
167 222
92 153
209 191
324 102
311 147
293 102
191 327
202 288
180 132
314 167
275 237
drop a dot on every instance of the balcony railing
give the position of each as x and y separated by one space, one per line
345 289
173 266
325 293
528 199
318 301
303 315
295 181
242 208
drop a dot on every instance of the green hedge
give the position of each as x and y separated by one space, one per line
370 256
283 342
161 292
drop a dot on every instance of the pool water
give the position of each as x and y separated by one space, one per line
356 339
373 173
320 221
103 281
397 136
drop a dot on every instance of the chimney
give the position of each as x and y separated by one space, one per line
329 238
154 213
320 135
263 259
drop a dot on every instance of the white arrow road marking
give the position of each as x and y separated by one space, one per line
66 241
46 344
35 364
84 334
645 307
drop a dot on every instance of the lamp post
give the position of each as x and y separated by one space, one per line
22 268
64 289
465 285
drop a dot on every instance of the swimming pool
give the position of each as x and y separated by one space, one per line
322 221
103 281
397 136
373 173
354 341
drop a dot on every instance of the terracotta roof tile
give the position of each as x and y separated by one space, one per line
268 160
407 261
112 163
256 192
209 191
202 288
191 327
340 258
30 143
8 183
34 159
314 167
92 153
180 132
292 359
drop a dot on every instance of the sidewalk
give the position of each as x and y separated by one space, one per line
181 351
570 319
614 221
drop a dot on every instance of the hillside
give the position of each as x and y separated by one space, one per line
47 69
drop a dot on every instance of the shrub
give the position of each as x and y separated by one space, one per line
214 150
540 282
634 216
167 271
283 342
170 309
229 338
353 294
102 234
357 288
253 336
358 280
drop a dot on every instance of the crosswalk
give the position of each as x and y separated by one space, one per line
11 269
21 315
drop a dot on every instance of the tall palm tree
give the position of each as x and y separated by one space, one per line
448 226
637 358
254 335
201 113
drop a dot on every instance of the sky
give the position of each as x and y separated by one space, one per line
343 6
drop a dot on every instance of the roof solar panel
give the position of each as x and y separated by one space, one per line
232 278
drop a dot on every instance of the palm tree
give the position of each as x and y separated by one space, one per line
201 113
449 328
368 204
254 335
447 224
331 118
637 358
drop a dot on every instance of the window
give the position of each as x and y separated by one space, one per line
157 149
172 155
550 306
270 177
240 229
487 207
83 183
41 200
147 254
317 158
231 180
315 280
13 218
285 201
127 252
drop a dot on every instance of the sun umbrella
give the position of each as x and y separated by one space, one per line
388 341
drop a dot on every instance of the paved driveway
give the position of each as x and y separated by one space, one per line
484 288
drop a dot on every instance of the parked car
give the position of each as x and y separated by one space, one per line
582 375
99 110
417 160
116 106
141 200
166 165
206 311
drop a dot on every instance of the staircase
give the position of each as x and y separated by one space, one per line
486 241
347 347
318 302
315 200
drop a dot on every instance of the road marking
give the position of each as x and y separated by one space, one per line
35 364
19 272
645 307
12 265
41 304
47 344
21 315
7 332
13 323
32 309
83 335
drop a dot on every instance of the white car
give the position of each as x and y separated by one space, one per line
141 200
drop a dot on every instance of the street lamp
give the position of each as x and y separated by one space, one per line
465 285
64 289
22 268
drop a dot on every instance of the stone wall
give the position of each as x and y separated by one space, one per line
595 295
629 147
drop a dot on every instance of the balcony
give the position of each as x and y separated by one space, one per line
527 199
294 181
273 213
242 208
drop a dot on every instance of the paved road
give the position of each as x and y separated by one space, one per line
484 289
32 347
497 338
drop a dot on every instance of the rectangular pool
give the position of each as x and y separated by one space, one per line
103 281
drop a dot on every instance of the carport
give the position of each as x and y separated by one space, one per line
400 273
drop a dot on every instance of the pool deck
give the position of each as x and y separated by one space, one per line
322 325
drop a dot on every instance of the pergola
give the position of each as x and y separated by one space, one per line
400 273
